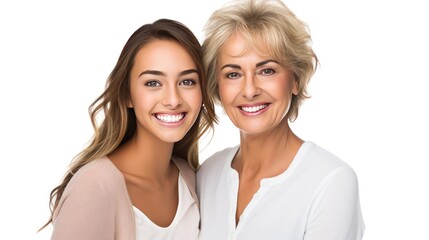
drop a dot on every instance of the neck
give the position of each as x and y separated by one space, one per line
267 154
144 157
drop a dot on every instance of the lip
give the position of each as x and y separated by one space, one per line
254 109
170 119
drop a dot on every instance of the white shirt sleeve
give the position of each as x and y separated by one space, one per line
335 213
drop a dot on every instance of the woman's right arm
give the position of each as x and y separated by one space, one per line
85 212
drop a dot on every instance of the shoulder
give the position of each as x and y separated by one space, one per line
216 163
185 170
188 175
99 176
324 166
97 186
320 158
182 164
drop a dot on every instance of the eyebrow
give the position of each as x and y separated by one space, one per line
265 62
159 73
257 64
231 66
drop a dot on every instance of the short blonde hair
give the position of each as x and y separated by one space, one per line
267 25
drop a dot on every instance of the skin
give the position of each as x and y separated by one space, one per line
255 91
166 97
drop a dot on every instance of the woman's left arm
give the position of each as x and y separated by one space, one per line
336 213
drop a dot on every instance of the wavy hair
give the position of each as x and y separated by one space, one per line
119 122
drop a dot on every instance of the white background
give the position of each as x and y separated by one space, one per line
369 100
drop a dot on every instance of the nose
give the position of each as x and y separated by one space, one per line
172 97
250 88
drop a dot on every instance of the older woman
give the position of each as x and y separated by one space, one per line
274 185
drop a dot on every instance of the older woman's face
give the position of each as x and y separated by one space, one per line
255 90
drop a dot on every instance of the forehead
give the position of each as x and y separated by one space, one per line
160 49
162 55
238 45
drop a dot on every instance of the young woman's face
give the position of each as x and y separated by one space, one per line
165 91
255 90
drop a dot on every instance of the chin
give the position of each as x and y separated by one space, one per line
171 139
254 128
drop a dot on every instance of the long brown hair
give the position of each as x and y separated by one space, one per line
119 122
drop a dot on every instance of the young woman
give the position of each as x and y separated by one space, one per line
274 185
132 181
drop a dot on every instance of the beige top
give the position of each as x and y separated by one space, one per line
96 205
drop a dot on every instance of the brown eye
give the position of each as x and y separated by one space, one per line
188 82
152 84
267 71
233 75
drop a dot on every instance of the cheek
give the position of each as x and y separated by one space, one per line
227 93
138 95
194 98
142 100
282 88
143 104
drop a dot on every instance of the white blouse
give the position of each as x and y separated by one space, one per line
316 198
184 225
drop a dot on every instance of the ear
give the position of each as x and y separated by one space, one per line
295 85
130 103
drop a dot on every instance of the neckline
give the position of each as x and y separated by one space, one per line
282 176
135 210
139 214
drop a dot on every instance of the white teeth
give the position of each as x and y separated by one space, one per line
254 108
168 118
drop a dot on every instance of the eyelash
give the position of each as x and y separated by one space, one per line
152 84
186 82
261 72
229 75
271 71
192 82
